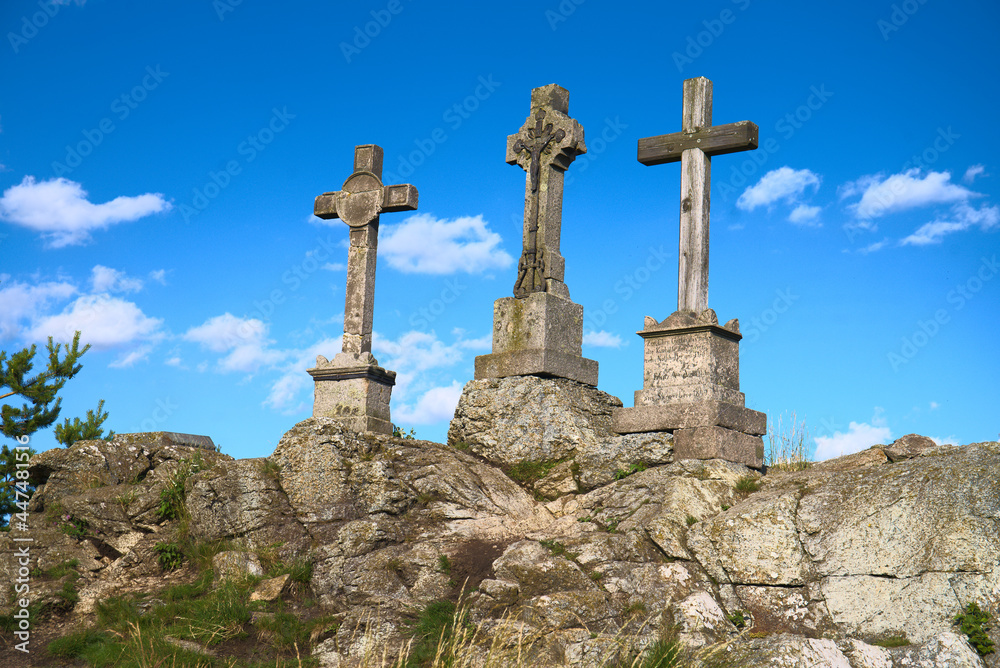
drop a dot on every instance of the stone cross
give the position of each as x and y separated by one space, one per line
544 147
359 204
694 146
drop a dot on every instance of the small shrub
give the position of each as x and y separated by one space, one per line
399 432
974 623
662 654
747 485
73 527
690 520
738 618
725 507
171 556
612 526
596 575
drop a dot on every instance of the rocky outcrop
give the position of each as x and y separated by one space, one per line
526 418
810 568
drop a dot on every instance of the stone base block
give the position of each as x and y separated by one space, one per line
690 358
719 443
356 395
539 335
546 363
671 417
540 320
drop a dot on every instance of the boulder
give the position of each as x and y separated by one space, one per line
527 418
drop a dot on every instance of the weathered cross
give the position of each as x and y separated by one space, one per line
544 147
694 146
359 204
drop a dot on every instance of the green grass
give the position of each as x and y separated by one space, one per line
633 468
891 641
529 472
131 630
690 520
747 485
434 625
557 549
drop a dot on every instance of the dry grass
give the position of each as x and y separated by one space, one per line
787 444
514 644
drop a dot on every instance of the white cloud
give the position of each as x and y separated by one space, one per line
947 440
903 191
780 184
243 339
106 279
935 405
805 215
59 210
19 302
129 359
735 227
877 246
105 322
859 436
434 405
602 339
159 275
174 361
425 245
972 172
335 266
963 217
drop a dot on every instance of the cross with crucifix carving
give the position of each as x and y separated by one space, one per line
359 204
694 146
544 147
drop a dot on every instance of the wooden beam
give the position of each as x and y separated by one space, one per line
716 140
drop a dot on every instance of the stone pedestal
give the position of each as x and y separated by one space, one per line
354 390
691 388
538 335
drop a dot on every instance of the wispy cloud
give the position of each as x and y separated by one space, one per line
602 339
423 244
972 172
106 279
962 218
243 340
59 210
805 215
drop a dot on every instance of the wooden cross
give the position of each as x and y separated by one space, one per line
544 147
359 204
694 146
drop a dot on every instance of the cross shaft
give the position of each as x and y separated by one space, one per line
359 203
694 147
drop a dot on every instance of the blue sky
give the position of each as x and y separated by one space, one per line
160 161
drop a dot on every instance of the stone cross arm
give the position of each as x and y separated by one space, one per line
401 197
715 140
